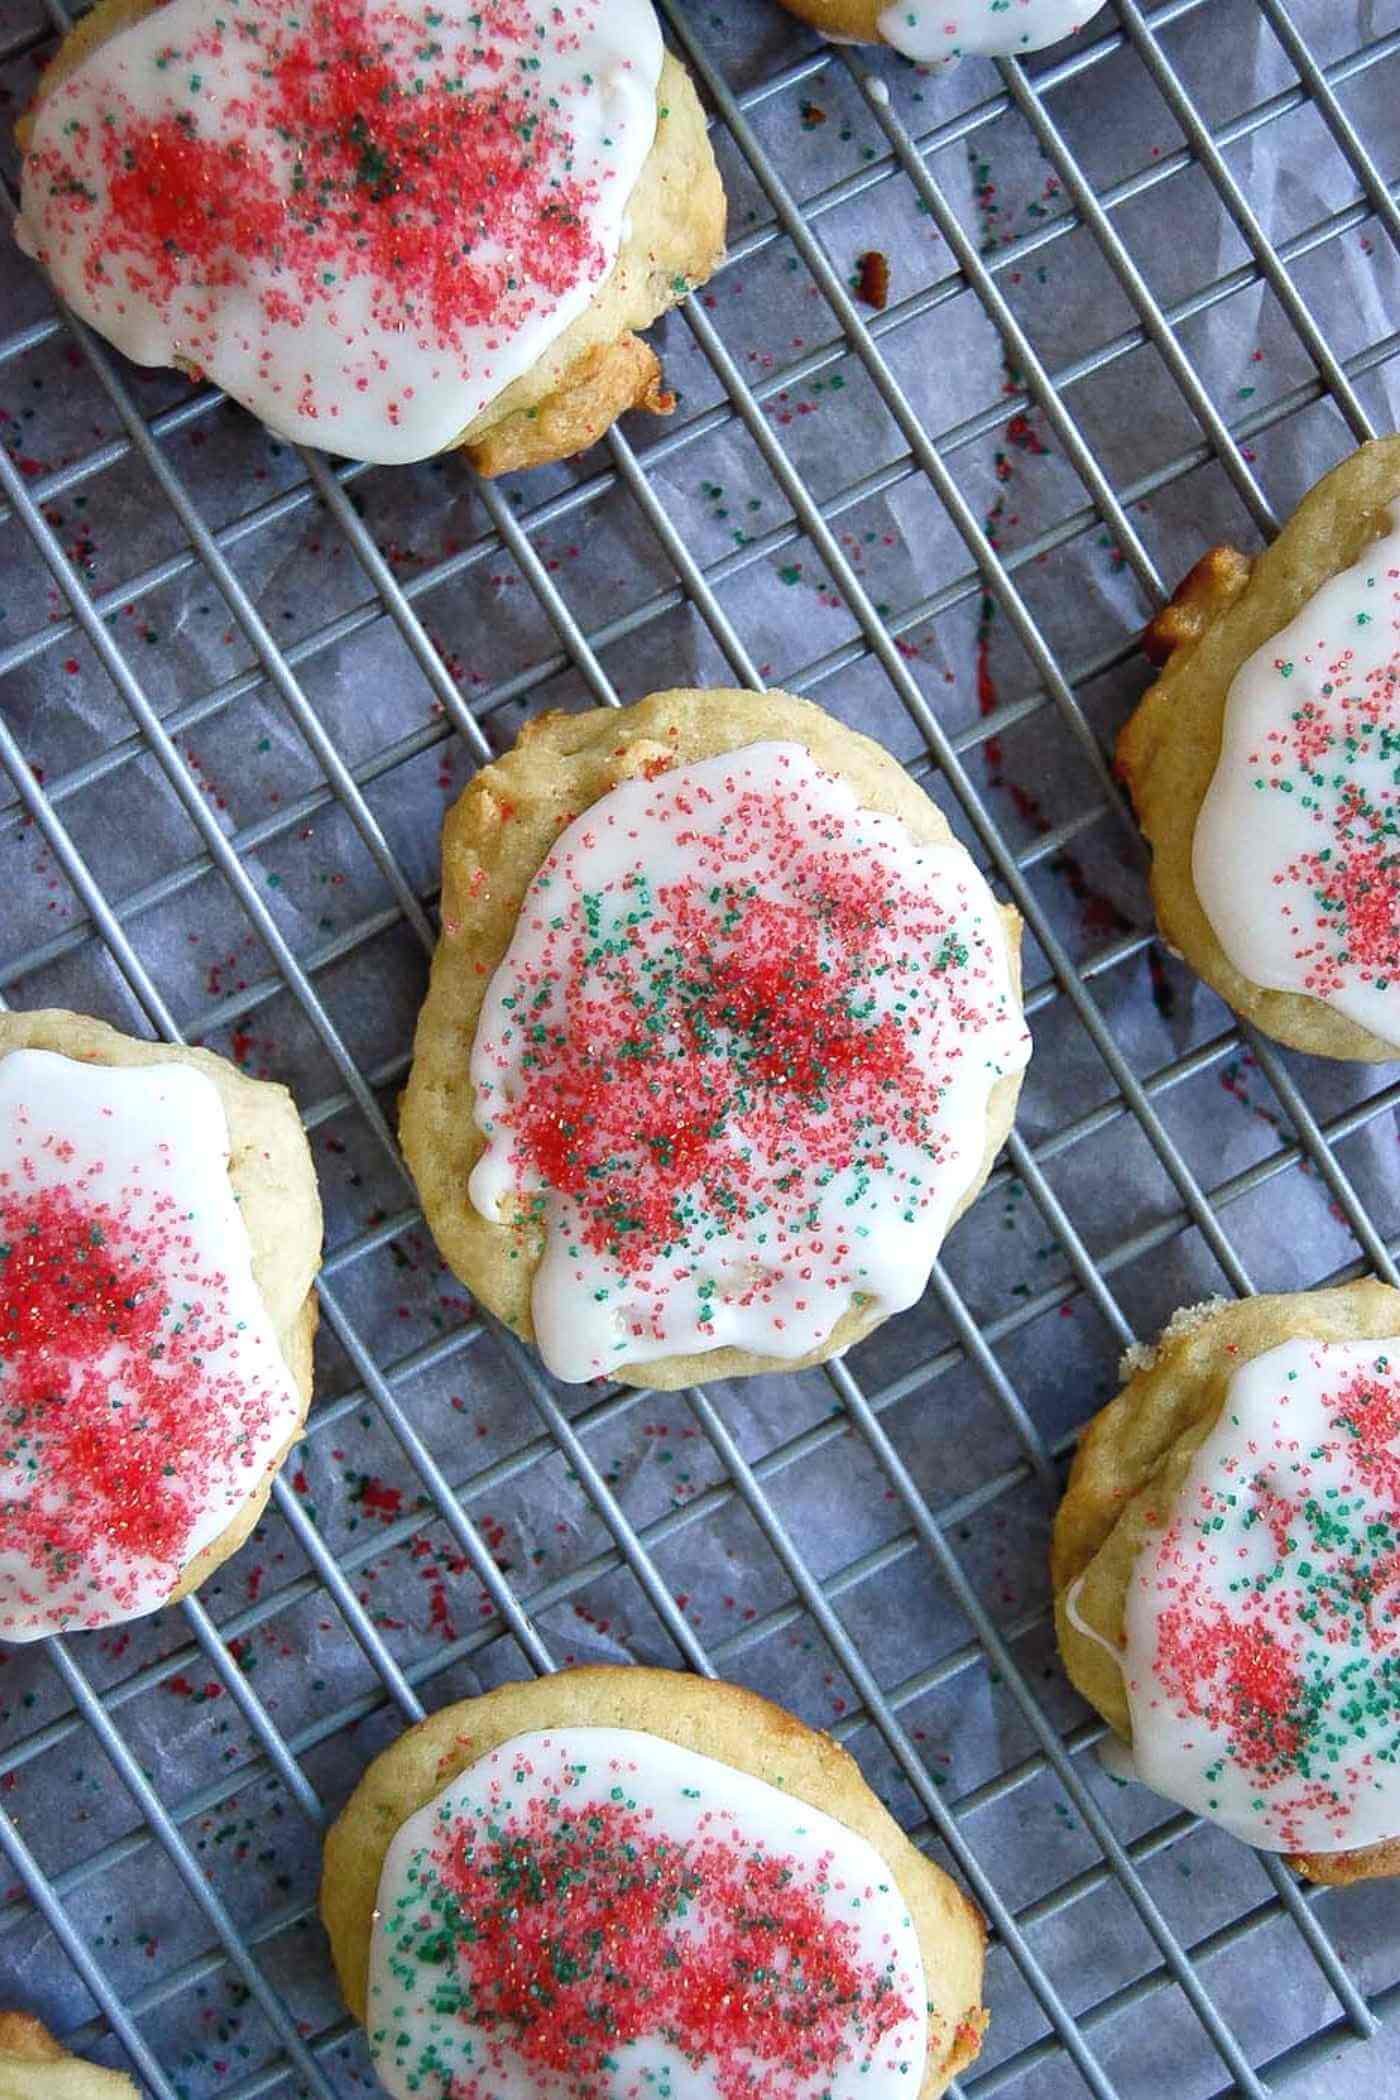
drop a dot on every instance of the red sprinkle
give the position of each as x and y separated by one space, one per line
106 1399
566 1945
447 198
776 988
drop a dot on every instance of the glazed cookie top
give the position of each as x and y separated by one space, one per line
737 1058
143 1394
1262 1630
362 218
1296 856
598 1914
941 31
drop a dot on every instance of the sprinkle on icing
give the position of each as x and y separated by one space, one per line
596 1914
142 1392
941 31
1262 1658
736 1061
363 218
1297 848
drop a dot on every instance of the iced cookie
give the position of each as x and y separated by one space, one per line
160 1232
622 1881
34 2067
939 32
723 1032
1226 1565
1263 768
387 228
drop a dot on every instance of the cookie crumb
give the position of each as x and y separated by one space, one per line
873 279
1143 1355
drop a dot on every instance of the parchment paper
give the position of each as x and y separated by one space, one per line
1006 1263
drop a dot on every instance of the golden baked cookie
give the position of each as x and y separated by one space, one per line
939 32
384 251
1223 1566
1258 767
525 1900
723 1032
179 1311
33 2066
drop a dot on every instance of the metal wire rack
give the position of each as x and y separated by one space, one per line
903 1604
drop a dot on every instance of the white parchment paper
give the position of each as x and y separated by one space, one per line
964 1436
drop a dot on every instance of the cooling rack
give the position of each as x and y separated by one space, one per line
238 684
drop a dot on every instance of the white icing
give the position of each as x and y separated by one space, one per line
1116 1757
938 31
695 948
1295 857
137 1157
296 313
453 1931
1081 1625
1262 1650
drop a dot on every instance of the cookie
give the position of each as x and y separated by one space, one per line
723 1032
34 2067
1261 765
387 231
553 1887
160 1232
939 32
1224 1565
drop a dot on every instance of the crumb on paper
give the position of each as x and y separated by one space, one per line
873 279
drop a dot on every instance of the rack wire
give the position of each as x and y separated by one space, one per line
1127 1958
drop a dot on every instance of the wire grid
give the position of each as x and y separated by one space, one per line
1059 2025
